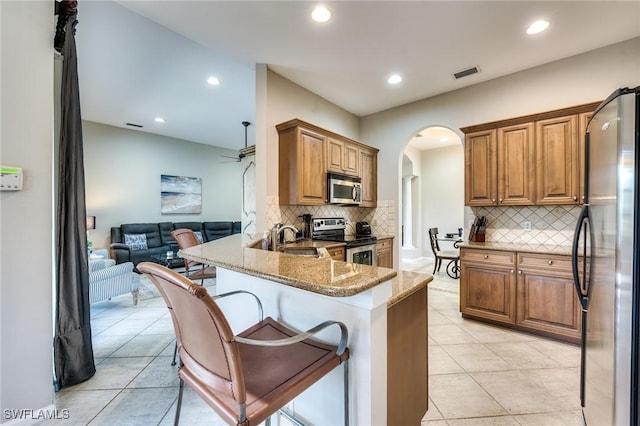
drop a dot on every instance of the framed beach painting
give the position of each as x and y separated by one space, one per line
180 194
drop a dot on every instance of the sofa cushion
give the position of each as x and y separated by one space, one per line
151 230
136 241
215 230
165 234
199 236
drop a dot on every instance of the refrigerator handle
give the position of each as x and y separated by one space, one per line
582 287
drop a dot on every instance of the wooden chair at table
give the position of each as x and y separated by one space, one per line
248 377
450 255
194 270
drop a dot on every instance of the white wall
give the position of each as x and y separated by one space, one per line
287 100
585 78
122 172
442 191
26 355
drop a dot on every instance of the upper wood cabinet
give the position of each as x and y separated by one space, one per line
308 152
302 171
343 157
531 160
516 155
558 167
480 172
369 176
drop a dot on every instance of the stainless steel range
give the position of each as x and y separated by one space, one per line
359 248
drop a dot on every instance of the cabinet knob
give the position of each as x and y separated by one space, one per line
500 200
519 272
550 262
575 198
493 200
486 256
512 271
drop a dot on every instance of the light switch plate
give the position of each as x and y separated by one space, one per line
10 178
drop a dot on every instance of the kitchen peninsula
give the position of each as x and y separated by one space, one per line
385 311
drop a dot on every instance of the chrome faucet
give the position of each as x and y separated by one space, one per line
277 232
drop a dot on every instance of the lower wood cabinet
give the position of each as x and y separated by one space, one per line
530 292
337 253
384 250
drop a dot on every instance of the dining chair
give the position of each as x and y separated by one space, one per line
194 270
453 256
245 377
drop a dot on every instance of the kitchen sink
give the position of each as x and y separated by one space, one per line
300 251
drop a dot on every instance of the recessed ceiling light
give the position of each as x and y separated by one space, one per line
159 120
321 14
443 139
538 27
394 79
213 81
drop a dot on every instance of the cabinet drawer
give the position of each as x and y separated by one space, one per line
336 253
488 256
384 244
544 261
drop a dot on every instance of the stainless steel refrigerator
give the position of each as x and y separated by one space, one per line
606 262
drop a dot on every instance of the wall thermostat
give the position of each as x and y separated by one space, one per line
10 178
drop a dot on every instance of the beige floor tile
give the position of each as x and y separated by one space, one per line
524 392
450 334
137 407
144 345
432 412
566 354
436 318
460 396
521 355
476 357
115 373
81 406
434 423
562 418
485 421
487 333
441 363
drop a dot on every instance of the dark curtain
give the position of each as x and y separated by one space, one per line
73 352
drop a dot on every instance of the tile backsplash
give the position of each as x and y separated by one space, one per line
554 225
381 218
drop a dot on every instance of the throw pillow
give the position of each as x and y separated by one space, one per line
136 241
199 236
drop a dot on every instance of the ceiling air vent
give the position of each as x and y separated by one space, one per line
135 125
464 73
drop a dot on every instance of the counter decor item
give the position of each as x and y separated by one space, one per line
478 229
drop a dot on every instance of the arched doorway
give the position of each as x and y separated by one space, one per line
432 176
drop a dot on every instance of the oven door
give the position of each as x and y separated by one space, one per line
365 255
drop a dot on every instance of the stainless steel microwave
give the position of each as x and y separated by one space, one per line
343 189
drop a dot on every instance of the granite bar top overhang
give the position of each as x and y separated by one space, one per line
322 276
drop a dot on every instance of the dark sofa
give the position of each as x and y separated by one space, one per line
158 238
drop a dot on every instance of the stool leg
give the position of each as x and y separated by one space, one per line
179 404
175 353
346 393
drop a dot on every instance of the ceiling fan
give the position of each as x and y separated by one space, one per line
244 151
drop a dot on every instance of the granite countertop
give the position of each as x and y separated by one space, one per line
405 284
518 247
323 276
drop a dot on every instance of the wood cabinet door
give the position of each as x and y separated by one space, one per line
583 120
369 175
351 160
557 171
384 249
488 291
312 178
516 165
480 168
546 295
335 155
